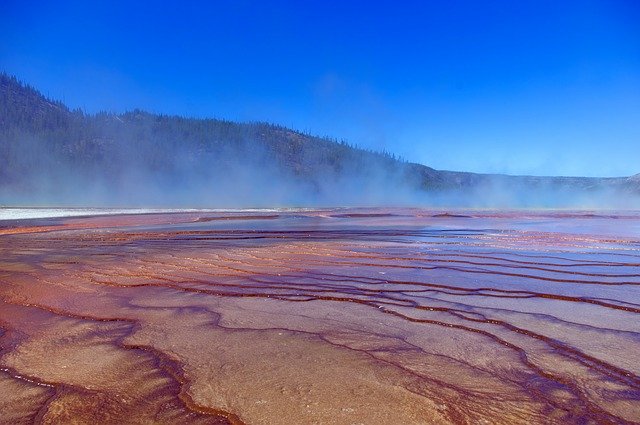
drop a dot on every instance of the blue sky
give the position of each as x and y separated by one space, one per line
520 87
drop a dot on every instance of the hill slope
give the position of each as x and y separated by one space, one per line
53 155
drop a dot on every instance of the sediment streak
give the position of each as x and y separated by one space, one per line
325 316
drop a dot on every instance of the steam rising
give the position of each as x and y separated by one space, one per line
53 156
132 174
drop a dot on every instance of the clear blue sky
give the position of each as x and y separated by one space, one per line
522 87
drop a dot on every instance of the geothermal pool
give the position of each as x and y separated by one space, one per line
329 316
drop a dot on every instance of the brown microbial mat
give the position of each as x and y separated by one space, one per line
334 316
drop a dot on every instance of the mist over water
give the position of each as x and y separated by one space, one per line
204 218
53 156
252 177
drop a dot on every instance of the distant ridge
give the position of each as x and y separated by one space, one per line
54 155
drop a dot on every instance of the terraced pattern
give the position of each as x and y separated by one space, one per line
341 316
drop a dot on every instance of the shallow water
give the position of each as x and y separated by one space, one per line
22 213
374 316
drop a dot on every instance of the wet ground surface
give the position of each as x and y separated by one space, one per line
345 316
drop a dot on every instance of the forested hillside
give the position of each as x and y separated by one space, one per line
53 155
